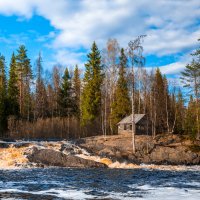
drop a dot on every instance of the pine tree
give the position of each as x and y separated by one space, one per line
121 106
56 92
3 97
159 101
77 91
190 119
91 95
191 79
13 91
179 128
24 78
41 94
66 100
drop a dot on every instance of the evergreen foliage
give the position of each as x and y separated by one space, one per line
190 77
91 95
191 80
66 100
190 119
25 76
159 89
13 90
98 101
180 113
77 91
3 97
121 106
41 94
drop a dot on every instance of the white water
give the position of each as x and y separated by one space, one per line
15 158
150 193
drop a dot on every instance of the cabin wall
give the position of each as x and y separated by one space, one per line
142 128
124 128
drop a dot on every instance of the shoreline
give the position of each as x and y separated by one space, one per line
114 152
149 167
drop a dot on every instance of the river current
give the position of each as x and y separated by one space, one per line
65 183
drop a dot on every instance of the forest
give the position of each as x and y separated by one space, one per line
74 102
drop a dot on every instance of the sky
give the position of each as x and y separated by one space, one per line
64 30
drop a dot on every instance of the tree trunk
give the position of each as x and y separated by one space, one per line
133 123
197 113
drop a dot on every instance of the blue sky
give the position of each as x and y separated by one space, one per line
63 30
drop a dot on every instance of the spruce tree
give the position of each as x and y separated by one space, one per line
190 119
3 97
13 91
180 115
66 101
25 77
56 92
41 94
121 106
91 95
77 91
191 79
159 102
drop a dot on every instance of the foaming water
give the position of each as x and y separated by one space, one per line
10 157
62 183
125 165
15 158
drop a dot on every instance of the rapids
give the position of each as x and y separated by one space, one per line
15 157
108 184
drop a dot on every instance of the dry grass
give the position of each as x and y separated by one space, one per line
46 128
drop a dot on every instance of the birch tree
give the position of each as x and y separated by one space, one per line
135 50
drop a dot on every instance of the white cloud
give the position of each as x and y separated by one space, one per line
17 7
173 68
171 26
69 58
163 42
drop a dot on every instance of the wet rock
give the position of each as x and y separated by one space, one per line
51 157
21 144
106 152
8 140
178 155
4 145
70 149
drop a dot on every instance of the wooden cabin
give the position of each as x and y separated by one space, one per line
142 125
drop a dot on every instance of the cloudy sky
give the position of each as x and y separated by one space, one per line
63 30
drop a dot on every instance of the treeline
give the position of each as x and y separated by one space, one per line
69 103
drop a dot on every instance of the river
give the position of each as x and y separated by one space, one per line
65 183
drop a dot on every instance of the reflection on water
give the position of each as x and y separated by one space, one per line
62 183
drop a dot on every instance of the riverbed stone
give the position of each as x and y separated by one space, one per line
51 157
164 149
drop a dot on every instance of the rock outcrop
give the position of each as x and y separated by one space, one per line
50 157
164 149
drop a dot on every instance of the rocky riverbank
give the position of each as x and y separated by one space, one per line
164 149
95 152
43 154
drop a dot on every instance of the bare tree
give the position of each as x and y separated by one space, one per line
135 50
110 62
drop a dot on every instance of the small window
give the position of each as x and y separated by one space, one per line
125 127
130 127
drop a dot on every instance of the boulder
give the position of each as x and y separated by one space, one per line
4 145
107 152
51 157
178 155
70 149
21 144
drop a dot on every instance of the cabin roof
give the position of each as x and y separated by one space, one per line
128 119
